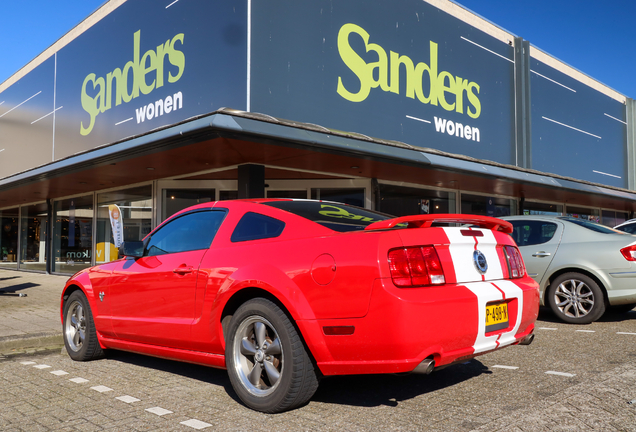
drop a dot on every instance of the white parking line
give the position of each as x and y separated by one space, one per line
42 366
505 367
625 333
59 372
565 374
27 363
196 424
127 399
79 380
101 389
159 411
587 331
547 328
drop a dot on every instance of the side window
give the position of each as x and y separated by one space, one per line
528 233
631 229
192 231
255 226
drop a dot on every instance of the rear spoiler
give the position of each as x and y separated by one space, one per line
426 220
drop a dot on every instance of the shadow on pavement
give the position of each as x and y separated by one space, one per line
611 315
10 277
389 390
354 390
11 289
206 374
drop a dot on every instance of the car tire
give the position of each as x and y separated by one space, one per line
268 364
576 298
80 336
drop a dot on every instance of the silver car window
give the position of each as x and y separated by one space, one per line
591 225
530 232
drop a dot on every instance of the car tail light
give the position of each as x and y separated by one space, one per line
515 262
629 252
415 266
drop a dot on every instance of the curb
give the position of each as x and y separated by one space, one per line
35 340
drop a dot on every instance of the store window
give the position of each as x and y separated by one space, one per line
174 200
72 234
585 213
9 238
612 218
33 229
228 195
122 215
290 194
537 208
404 201
488 205
351 196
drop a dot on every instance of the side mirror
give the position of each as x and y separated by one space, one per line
134 249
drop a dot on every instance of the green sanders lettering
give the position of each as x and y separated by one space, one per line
449 91
142 74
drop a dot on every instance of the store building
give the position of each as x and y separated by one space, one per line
409 106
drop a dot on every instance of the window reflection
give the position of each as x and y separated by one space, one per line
9 238
72 234
33 229
133 207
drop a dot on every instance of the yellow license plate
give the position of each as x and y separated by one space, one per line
496 317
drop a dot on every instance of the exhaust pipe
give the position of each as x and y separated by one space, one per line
527 340
426 367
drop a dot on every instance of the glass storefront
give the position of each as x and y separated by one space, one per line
404 201
83 232
293 194
133 207
72 234
586 213
612 218
9 238
488 206
538 208
228 195
351 196
174 200
33 230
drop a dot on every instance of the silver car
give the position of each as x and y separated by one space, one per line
581 267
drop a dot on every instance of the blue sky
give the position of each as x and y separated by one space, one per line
592 36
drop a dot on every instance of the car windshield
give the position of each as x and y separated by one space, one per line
592 226
336 216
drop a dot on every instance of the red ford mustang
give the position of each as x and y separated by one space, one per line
282 292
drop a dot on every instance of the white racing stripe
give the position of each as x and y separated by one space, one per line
487 292
461 249
512 291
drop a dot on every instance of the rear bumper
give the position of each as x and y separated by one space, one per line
622 287
404 326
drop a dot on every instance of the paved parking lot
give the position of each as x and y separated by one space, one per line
572 378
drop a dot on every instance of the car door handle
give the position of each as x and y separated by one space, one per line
183 270
541 254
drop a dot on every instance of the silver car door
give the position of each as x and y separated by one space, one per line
538 241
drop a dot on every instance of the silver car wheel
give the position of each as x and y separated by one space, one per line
258 356
574 298
75 326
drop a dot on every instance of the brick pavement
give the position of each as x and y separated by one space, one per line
31 322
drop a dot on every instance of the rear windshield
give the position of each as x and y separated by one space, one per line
336 216
592 226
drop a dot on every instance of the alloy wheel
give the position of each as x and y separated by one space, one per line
574 298
75 328
258 356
